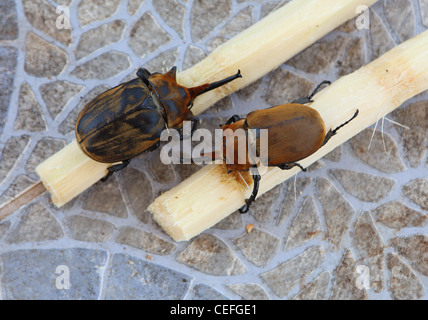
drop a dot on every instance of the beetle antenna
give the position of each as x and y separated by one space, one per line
195 91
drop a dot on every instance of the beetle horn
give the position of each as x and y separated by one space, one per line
173 72
195 91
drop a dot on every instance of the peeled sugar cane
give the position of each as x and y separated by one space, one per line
376 89
255 51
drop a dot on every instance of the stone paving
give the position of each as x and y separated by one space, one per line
362 207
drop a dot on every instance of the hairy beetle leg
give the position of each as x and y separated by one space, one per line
308 99
250 200
331 133
115 168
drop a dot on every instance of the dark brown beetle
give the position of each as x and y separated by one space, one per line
295 131
128 119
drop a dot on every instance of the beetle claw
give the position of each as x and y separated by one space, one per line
115 168
244 208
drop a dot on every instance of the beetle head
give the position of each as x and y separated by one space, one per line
176 100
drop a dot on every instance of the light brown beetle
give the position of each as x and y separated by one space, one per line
295 131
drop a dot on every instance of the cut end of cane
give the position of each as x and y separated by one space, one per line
200 201
68 173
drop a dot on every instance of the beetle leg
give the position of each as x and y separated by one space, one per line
153 147
250 200
233 119
308 99
195 121
115 168
331 133
290 165
143 73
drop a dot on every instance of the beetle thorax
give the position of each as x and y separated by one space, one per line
174 99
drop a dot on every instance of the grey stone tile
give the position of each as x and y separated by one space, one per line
345 283
417 191
43 59
52 274
334 155
106 197
11 152
286 86
241 21
404 284
315 290
371 248
8 63
57 94
305 226
20 183
94 10
37 224
233 221
367 237
139 190
89 230
415 136
424 11
206 15
379 39
136 279
95 68
261 209
8 20
397 215
205 292
210 255
30 116
173 13
294 189
141 39
337 212
320 56
284 277
364 186
133 6
249 291
415 249
162 62
144 240
378 150
193 56
43 16
45 148
400 15
99 37
258 246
